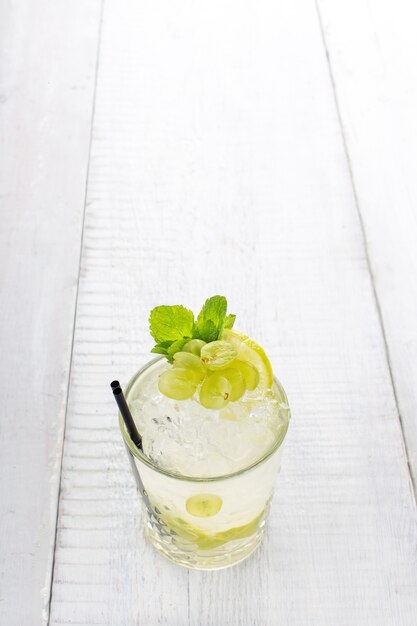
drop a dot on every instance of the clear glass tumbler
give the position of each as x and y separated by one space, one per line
238 503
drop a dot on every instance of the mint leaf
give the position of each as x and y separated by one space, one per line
229 321
170 323
206 330
176 347
165 344
211 318
162 347
158 349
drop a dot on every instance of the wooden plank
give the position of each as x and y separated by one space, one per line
372 48
47 70
218 167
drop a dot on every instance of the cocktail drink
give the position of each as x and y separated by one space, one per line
212 420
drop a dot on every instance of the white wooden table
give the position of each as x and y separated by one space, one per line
165 151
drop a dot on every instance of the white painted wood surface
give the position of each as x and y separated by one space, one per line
373 50
218 165
46 99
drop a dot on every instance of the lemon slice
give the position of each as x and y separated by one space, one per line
249 350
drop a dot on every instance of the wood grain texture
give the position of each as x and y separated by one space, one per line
46 99
372 49
218 166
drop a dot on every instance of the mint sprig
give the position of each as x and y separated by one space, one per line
173 326
210 320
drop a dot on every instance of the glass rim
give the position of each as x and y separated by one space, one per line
198 479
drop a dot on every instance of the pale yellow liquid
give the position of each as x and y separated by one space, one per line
211 541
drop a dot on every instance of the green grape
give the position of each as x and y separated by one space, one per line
177 383
218 354
215 391
237 380
194 346
192 363
249 371
204 505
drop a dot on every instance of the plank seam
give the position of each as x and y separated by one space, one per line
48 602
413 485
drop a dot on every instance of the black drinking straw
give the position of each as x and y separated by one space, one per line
137 440
126 414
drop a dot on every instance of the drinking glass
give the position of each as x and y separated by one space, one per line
205 522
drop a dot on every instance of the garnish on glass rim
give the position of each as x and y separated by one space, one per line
206 354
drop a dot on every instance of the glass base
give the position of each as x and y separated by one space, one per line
183 552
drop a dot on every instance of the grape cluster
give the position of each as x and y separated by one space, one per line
213 368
